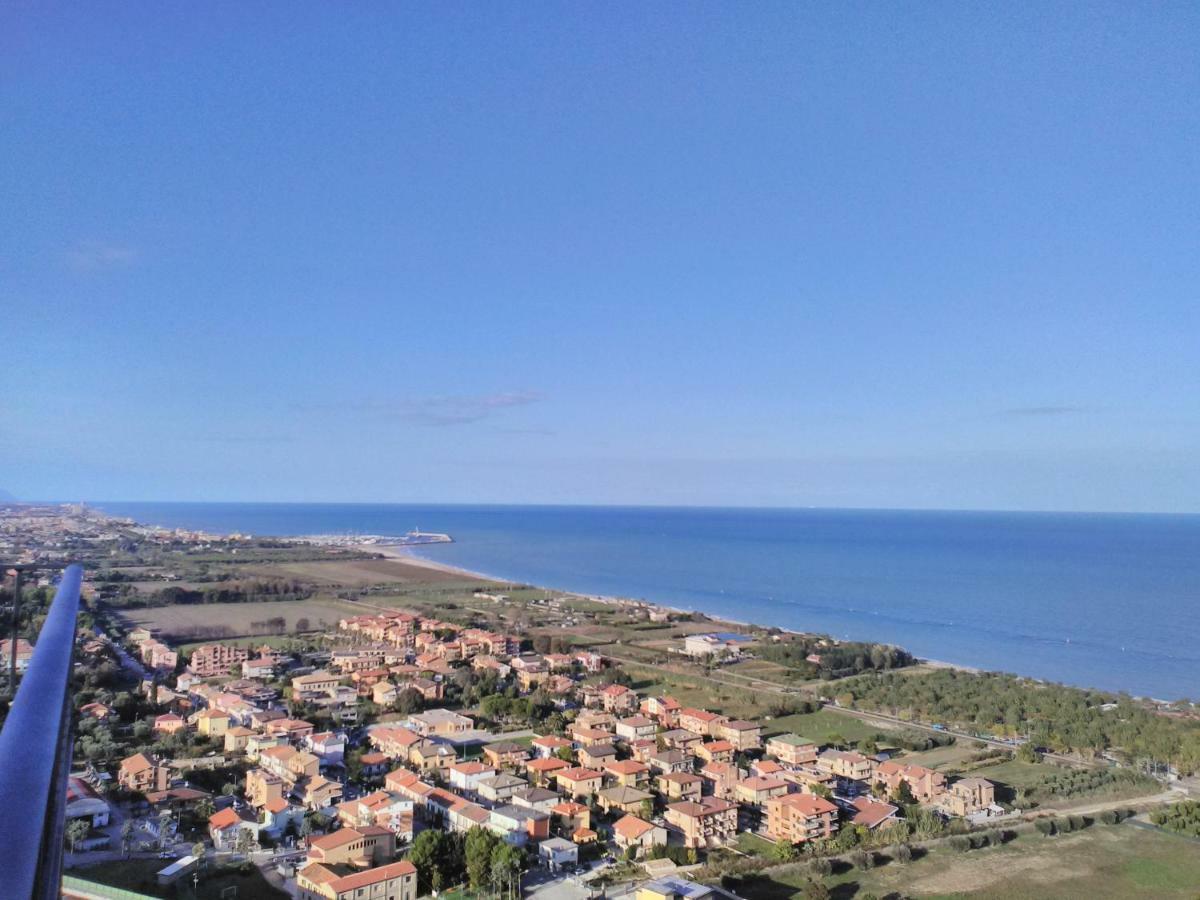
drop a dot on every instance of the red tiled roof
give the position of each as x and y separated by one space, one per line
373 876
631 827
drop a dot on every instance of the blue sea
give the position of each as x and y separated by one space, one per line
1106 601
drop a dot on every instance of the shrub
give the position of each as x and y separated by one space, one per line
820 867
1045 826
862 860
960 843
904 854
1110 817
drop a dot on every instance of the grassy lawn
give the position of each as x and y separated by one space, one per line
753 845
1101 863
818 726
945 759
139 875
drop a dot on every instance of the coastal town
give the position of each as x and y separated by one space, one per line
443 738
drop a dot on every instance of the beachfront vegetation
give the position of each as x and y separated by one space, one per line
817 656
1059 718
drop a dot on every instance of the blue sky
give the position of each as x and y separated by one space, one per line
938 255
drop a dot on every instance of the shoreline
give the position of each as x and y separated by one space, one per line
405 554
408 554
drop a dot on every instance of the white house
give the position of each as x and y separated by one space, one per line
557 853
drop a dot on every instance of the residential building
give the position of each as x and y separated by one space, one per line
846 764
623 799
500 787
797 818
711 822
635 832
702 645
143 774
210 660
440 722
701 721
925 784
550 745
758 790
619 699
680 786
742 734
212 722
169 723
626 772
579 782
967 796
871 814
635 728
541 770
714 751
792 750
465 776
506 755
558 853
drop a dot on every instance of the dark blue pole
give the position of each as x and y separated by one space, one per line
35 755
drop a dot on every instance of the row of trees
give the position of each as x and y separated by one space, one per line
1061 718
445 859
834 661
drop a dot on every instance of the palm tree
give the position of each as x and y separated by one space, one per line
126 835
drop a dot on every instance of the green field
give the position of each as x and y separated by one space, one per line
820 725
1101 863
139 875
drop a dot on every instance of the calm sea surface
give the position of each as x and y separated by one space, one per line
1109 601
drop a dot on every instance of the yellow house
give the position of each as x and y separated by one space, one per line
212 722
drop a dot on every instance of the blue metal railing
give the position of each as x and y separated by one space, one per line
35 756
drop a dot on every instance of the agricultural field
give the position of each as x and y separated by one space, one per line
360 572
178 619
1100 863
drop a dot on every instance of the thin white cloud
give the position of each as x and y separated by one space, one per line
438 410
90 255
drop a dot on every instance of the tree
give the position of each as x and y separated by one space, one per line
862 860
785 851
243 841
199 850
815 890
478 848
820 867
904 854
126 836
903 795
506 862
426 854
1045 826
164 821
410 701
77 830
